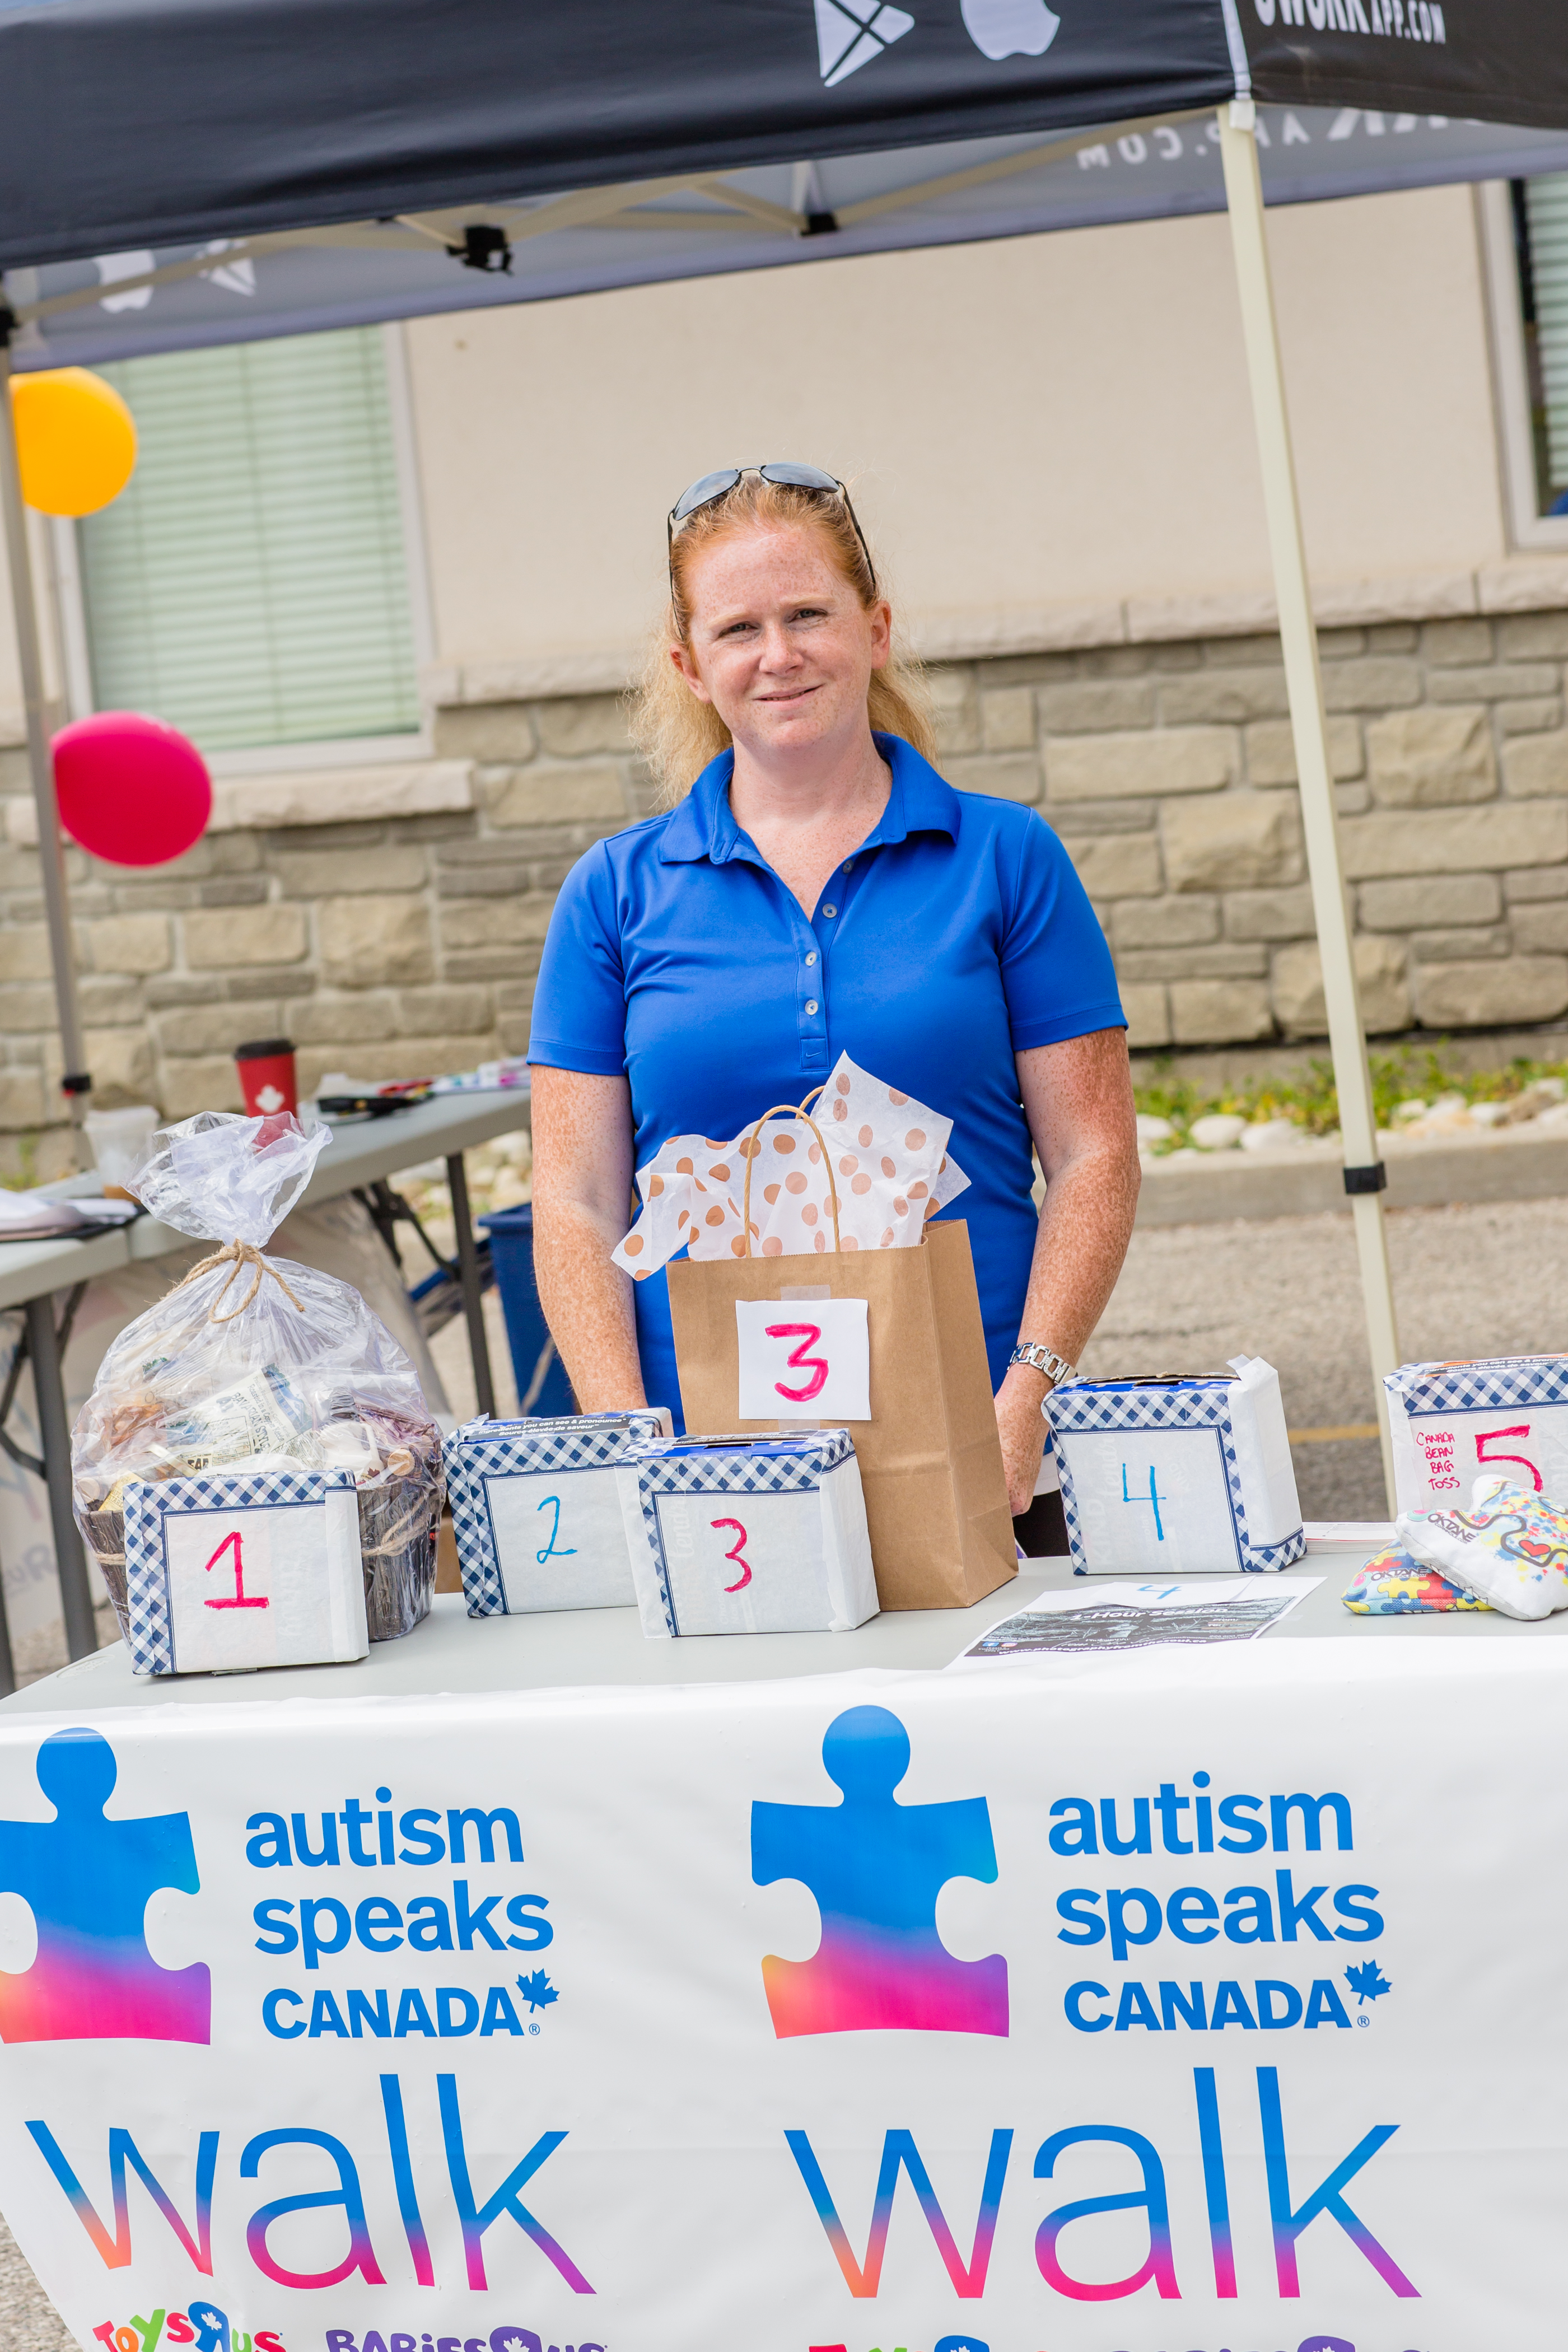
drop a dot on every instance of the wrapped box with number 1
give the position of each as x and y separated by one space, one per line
243 1568
536 1512
1451 1423
748 1535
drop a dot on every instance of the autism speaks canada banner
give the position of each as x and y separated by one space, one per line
1186 2001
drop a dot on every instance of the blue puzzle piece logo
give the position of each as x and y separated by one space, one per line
87 1881
876 1868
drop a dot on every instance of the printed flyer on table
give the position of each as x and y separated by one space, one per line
1100 2003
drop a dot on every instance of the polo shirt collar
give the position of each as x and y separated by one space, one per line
704 825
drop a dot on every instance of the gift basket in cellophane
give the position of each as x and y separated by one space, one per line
256 1362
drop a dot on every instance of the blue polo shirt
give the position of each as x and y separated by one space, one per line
955 936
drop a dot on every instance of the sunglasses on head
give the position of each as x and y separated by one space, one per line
709 486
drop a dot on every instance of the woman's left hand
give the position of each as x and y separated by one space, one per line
1021 1429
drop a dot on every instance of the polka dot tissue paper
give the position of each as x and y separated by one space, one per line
889 1173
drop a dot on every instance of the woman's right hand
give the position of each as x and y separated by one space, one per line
582 1158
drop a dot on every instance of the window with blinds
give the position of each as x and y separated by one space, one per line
249 585
1541 219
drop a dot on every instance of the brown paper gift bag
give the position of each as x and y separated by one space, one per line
931 1460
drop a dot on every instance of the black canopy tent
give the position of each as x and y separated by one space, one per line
365 161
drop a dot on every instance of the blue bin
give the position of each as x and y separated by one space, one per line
542 1388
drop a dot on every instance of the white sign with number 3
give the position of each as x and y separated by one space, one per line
804 1360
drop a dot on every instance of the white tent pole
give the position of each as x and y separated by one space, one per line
1364 1175
57 912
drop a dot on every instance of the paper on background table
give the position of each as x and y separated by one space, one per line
1141 1616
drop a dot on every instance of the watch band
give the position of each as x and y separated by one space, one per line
1055 1367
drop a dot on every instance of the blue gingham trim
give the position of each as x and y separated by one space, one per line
759 1466
1480 1387
1196 1405
512 1449
150 1634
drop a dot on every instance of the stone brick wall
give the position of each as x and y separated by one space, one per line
396 947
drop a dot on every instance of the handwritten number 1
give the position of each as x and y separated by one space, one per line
240 1599
735 1550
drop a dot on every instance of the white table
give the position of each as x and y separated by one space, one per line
669 1798
571 1649
31 1273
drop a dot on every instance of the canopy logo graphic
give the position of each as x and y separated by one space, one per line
850 33
87 1881
876 1868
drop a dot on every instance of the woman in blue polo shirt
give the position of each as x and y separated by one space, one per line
820 888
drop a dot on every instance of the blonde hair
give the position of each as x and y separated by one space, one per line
677 734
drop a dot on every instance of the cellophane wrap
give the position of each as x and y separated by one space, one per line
891 1169
319 1383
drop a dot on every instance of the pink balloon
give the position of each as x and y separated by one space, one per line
131 790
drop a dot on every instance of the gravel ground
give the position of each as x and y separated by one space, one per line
1190 1297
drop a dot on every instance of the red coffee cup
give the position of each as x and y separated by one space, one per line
266 1077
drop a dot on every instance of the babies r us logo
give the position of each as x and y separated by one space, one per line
876 1868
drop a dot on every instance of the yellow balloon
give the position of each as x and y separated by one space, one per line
76 440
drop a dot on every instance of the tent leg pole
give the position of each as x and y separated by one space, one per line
1319 816
75 1080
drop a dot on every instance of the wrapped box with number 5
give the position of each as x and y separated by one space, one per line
1451 1423
241 1569
536 1512
748 1535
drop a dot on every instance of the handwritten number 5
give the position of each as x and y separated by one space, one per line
736 1549
808 1334
1489 1437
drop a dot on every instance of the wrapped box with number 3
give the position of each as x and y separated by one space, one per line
1451 1423
748 1535
242 1569
536 1511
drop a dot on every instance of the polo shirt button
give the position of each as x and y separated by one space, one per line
811 1005
830 911
811 959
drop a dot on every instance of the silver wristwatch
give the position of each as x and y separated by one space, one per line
1056 1368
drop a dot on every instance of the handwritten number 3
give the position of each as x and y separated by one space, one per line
735 1550
808 1334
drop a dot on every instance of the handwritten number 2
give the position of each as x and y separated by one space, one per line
567 1551
238 1598
808 1334
735 1550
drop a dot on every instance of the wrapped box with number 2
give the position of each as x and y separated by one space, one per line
1452 1422
536 1511
748 1535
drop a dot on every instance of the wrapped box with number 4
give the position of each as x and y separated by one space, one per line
1450 1424
241 1569
1172 1477
536 1511
748 1535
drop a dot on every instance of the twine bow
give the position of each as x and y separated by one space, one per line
235 1254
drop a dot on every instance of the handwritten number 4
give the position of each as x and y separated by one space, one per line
734 1553
808 1334
240 1599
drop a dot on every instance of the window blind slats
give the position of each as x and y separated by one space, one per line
1546 208
249 583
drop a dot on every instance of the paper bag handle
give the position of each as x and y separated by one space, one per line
752 1147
